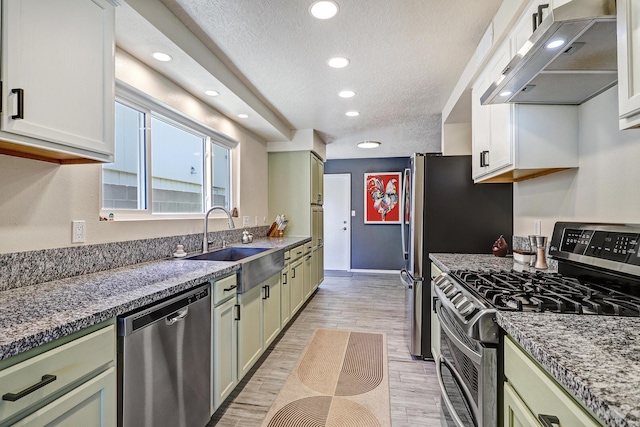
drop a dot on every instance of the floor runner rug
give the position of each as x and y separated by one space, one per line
340 380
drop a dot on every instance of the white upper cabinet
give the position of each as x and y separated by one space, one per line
628 63
515 142
58 80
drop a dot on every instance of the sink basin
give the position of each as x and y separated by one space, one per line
229 254
256 264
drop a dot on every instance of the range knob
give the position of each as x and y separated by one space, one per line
458 299
451 291
466 309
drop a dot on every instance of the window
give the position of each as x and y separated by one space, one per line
165 164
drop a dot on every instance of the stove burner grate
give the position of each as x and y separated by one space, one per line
540 292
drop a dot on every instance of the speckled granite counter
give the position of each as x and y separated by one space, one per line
595 358
34 315
448 262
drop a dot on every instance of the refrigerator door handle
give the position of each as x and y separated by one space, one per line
403 214
408 279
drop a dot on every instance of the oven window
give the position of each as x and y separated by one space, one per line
454 359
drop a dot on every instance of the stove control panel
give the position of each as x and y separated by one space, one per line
617 243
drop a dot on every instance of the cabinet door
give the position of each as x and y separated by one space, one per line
501 127
309 275
515 412
285 297
91 404
60 54
271 309
320 178
480 129
225 345
250 341
320 265
315 184
297 285
628 63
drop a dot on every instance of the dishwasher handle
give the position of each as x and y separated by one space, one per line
177 316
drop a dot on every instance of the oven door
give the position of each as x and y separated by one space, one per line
467 373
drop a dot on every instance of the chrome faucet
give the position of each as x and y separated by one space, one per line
205 239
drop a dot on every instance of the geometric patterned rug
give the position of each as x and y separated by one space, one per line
340 380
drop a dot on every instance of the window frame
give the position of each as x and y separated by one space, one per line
151 107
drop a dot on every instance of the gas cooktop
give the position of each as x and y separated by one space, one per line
557 293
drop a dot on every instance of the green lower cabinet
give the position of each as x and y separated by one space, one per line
271 309
530 393
92 404
250 341
296 289
516 413
225 344
68 382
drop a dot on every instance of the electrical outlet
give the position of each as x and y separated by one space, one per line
537 227
245 221
256 220
353 213
78 231
264 219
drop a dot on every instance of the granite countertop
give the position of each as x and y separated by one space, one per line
34 315
597 358
449 262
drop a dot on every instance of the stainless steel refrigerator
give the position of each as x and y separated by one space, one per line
444 211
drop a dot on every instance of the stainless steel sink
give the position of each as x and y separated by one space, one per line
256 264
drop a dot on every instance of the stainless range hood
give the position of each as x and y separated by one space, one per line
583 65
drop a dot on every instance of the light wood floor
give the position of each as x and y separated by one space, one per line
367 302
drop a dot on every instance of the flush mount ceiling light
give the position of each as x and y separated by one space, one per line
555 43
162 57
369 144
243 116
352 113
346 94
338 62
323 9
211 92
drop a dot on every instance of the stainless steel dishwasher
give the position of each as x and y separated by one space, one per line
164 363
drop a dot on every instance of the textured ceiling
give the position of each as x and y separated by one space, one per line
406 57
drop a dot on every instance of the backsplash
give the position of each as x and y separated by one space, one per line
29 268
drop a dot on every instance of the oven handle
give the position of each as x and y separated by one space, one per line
475 357
456 418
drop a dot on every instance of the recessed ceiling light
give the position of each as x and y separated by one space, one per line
555 43
211 92
338 62
323 9
346 94
243 116
352 113
161 56
506 93
369 144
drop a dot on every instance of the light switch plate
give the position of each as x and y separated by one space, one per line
245 221
78 234
353 213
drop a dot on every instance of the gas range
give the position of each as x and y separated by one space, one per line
598 274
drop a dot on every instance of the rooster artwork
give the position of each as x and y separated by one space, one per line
381 198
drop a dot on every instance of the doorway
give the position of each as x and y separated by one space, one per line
337 221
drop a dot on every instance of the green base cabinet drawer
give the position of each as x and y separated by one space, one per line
539 392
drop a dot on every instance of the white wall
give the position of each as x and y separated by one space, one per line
605 186
39 200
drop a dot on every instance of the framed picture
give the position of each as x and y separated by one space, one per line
381 197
